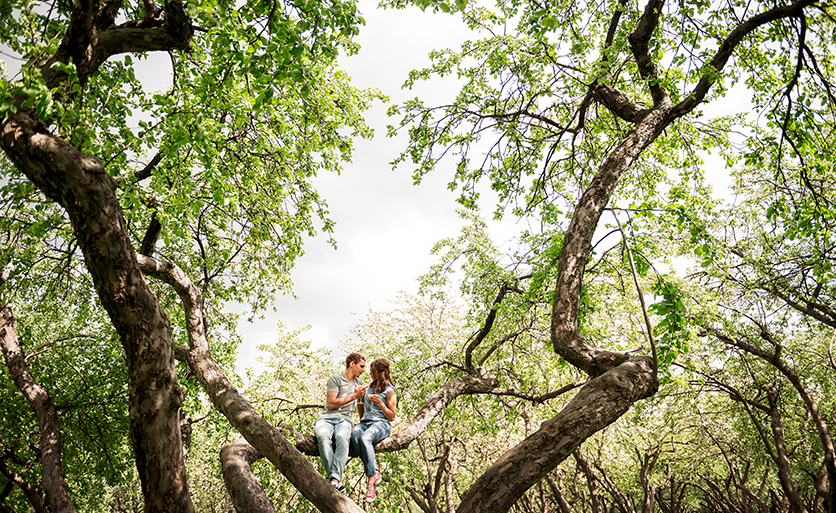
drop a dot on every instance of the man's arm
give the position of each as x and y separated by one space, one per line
335 402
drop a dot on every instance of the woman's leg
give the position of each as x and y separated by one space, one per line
363 438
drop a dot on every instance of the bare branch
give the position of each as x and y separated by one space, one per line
649 327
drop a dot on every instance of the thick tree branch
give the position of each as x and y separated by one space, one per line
88 48
81 185
244 489
32 492
640 45
599 403
149 168
619 104
152 234
566 337
53 483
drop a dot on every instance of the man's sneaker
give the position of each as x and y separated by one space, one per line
377 478
338 485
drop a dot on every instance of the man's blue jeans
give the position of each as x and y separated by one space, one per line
364 436
333 433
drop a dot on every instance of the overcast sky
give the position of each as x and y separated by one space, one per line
385 225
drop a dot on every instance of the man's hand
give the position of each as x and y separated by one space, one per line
359 392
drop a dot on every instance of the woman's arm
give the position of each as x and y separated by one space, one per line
391 406
388 408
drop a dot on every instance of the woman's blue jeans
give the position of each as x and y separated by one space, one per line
363 437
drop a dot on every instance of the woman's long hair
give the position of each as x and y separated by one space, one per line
381 367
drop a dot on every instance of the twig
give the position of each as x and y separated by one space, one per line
641 295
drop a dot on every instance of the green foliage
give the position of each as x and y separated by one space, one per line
674 330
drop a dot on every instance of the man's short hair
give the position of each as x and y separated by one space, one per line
353 358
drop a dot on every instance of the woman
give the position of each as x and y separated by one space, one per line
376 415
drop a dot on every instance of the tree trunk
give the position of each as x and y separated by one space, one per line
81 185
53 483
781 458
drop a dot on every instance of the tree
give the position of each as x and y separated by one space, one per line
256 90
579 105
592 105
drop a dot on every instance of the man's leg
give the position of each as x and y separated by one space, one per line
324 431
342 438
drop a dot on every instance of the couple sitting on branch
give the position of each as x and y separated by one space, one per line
335 430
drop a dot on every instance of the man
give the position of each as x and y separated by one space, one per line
333 426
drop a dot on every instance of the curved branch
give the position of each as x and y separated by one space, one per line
32 492
727 48
81 185
565 333
468 384
619 103
599 403
244 489
88 48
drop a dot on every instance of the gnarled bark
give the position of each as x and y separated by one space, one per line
81 185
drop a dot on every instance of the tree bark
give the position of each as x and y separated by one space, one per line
53 483
80 184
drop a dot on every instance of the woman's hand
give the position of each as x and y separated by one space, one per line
376 400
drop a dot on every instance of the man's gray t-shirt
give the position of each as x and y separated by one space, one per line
343 387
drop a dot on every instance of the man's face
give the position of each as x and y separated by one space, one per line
358 367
